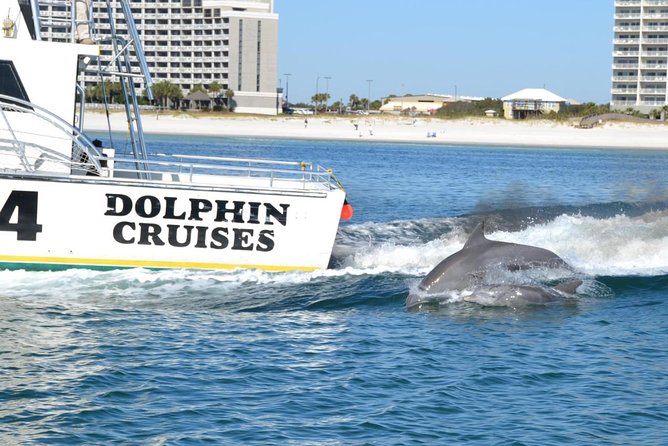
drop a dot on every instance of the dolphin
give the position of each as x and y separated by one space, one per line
467 267
522 295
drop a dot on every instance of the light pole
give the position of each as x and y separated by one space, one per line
315 98
368 98
327 78
287 84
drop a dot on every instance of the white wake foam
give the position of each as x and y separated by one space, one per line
616 246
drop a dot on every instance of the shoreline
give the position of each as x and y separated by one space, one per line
422 130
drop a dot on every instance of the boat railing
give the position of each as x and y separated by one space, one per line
214 170
32 139
29 133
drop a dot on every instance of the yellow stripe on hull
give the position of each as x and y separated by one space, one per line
106 263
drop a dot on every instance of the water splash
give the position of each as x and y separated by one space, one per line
618 245
398 253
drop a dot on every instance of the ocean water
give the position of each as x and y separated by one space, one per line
334 357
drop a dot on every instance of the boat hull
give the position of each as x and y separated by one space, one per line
50 223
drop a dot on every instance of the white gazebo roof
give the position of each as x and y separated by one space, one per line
534 94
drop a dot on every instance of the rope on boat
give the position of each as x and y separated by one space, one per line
336 180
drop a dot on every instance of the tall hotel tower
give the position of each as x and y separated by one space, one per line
640 55
197 42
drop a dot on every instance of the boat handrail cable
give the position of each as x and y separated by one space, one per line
300 164
217 168
84 153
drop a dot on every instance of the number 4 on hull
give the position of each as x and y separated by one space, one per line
25 204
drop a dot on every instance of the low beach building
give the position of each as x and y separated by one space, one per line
531 102
426 104
198 100
422 104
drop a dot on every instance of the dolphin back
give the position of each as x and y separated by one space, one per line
468 266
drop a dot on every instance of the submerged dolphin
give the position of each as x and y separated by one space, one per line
467 267
522 295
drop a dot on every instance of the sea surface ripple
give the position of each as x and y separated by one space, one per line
333 357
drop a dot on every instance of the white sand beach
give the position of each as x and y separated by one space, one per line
481 131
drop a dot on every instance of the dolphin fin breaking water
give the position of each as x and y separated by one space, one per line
467 267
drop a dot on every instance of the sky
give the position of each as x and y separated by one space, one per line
487 48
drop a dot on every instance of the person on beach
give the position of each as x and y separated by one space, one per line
305 122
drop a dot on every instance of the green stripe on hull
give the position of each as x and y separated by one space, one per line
13 266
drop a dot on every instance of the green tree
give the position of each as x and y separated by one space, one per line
108 92
460 109
94 93
165 91
176 94
319 99
664 112
229 95
338 106
354 102
214 91
215 87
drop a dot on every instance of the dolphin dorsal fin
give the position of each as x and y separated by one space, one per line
569 287
477 237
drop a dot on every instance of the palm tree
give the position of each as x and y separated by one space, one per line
215 87
354 102
664 112
319 99
161 92
164 91
106 92
214 90
94 93
229 94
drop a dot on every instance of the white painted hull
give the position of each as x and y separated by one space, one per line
81 222
67 201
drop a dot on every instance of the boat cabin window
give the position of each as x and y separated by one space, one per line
10 82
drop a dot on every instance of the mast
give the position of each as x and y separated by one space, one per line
125 44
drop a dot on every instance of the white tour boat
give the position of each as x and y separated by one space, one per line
66 202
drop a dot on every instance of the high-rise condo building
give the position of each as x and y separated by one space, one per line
640 55
232 43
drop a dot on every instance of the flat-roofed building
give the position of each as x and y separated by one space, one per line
198 42
421 104
640 55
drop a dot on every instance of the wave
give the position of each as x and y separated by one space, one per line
597 243
373 259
